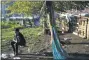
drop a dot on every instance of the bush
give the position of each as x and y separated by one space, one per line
10 25
5 25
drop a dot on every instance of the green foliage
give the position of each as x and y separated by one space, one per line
25 7
29 7
5 25
30 34
7 34
10 25
68 5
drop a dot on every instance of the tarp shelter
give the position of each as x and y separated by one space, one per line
36 20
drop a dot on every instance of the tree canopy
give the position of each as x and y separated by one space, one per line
29 7
25 7
67 5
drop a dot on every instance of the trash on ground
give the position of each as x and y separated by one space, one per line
67 38
12 55
4 56
86 45
16 58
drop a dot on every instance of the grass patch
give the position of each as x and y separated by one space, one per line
34 38
30 34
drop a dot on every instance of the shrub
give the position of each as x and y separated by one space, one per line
10 25
5 25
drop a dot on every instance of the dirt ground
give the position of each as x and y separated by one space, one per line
78 49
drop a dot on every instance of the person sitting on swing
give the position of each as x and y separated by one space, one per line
18 40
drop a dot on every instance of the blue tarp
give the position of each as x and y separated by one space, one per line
37 21
37 18
58 51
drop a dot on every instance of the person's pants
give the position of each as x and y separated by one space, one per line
15 47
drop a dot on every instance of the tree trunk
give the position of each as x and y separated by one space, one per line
45 26
51 18
58 52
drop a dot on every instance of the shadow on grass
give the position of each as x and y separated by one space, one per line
77 43
78 56
40 54
49 56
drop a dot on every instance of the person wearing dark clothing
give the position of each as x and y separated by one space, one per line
70 27
18 40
